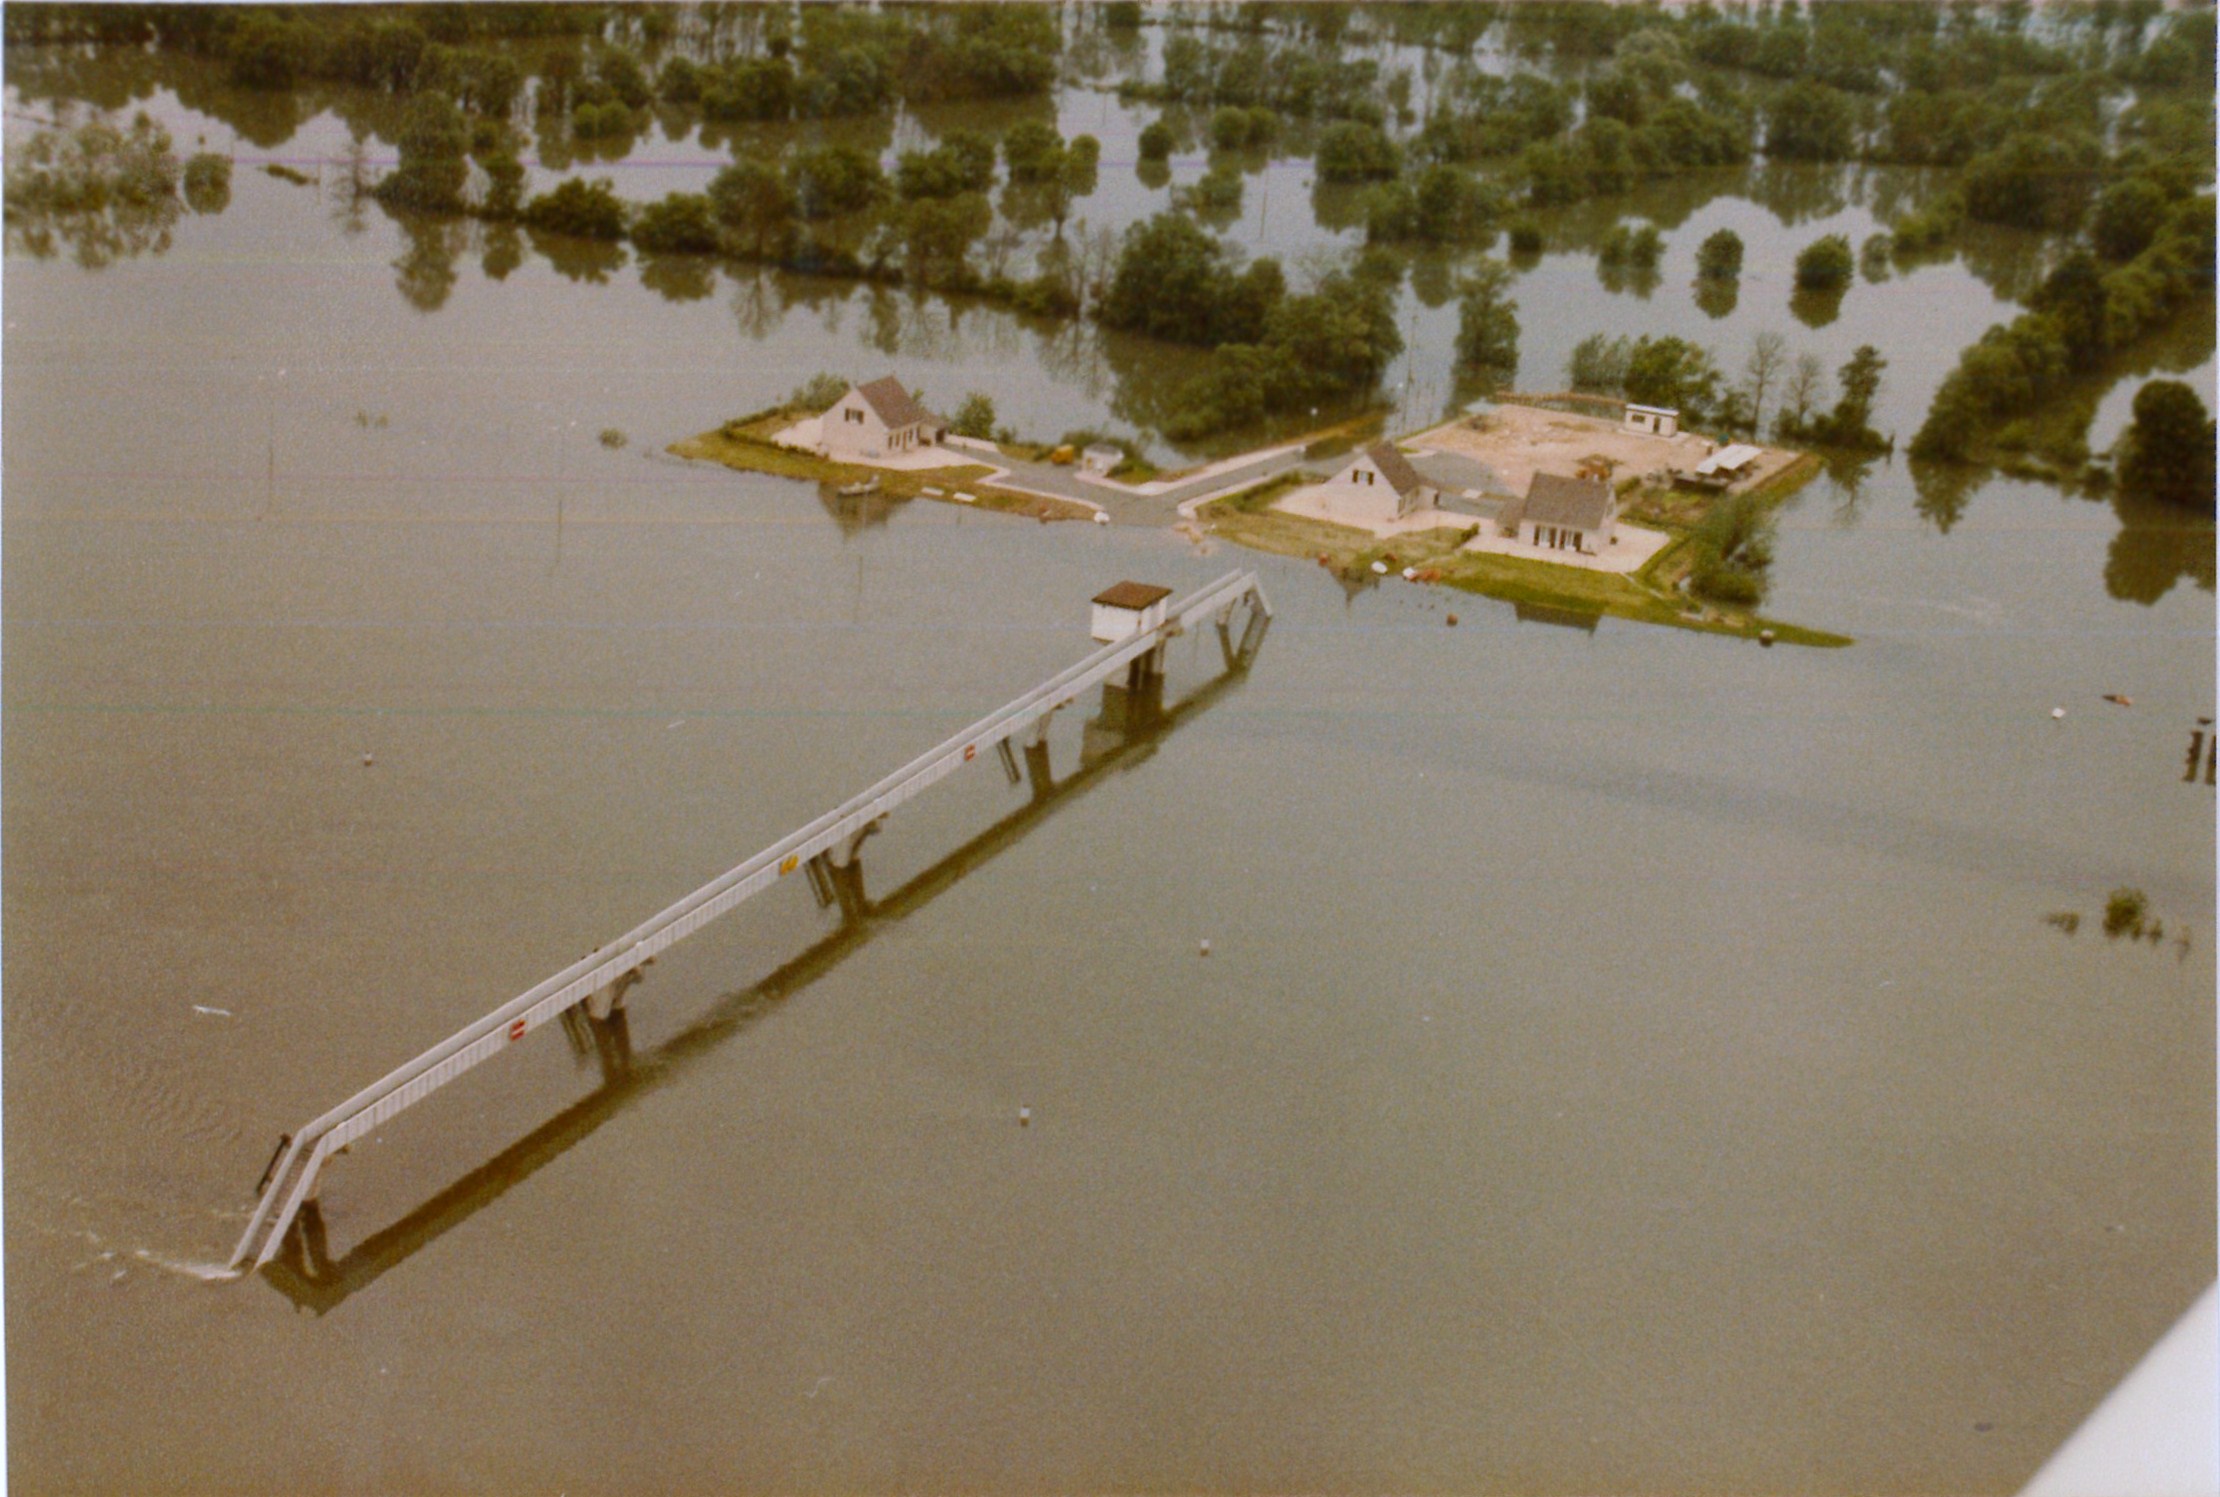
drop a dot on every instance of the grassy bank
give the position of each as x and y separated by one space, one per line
746 444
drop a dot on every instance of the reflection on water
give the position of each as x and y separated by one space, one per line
93 238
679 278
1718 298
1849 471
1815 308
1563 618
856 513
590 261
425 272
2158 546
1129 725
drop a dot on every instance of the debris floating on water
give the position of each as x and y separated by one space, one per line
213 1013
2117 700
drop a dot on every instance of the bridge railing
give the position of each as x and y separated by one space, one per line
293 1177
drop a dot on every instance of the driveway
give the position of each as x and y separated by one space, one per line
1160 502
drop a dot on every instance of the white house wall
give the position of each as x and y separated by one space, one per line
841 435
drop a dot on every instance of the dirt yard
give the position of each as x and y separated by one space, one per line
1518 441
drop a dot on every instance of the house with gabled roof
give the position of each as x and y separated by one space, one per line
1378 484
877 420
1565 514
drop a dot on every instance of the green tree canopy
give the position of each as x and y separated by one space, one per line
1720 256
1487 319
1826 264
2168 453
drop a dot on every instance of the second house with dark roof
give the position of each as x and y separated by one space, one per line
877 420
1566 514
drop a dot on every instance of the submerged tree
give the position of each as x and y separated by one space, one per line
1825 264
1487 319
1768 351
1734 548
1720 256
2168 448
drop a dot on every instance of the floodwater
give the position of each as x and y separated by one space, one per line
1625 1059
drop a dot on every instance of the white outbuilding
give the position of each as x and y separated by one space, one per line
1729 462
1125 610
876 420
1657 420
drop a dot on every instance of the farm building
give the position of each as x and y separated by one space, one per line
1729 462
1657 420
1565 514
877 420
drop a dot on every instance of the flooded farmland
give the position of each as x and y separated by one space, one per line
1625 1059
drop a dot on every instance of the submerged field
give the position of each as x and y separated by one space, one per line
1626 1060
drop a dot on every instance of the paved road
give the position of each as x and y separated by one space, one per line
1131 506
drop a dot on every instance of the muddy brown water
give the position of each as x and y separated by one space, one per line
1625 1060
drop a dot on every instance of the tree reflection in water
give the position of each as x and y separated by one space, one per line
425 272
1849 471
588 261
93 238
679 278
1815 309
2158 546
504 251
758 304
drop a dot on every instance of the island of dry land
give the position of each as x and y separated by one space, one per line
1464 488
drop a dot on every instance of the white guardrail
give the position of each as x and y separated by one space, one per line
292 1176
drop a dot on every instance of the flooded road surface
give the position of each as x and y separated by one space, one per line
1625 1059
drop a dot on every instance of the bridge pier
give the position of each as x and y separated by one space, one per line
307 1250
1238 655
1037 771
842 883
847 887
613 1045
603 1002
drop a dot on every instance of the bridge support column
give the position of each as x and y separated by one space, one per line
1238 654
613 1045
603 1002
847 887
307 1249
1037 770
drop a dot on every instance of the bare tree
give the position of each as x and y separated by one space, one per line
1807 387
997 248
1098 258
1768 351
